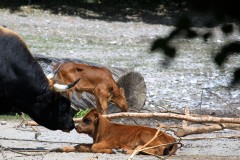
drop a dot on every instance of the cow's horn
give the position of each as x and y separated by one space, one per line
74 107
63 87
53 73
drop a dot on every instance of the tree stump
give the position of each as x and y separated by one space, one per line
132 83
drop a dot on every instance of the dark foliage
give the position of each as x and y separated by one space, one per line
227 28
236 76
226 51
224 12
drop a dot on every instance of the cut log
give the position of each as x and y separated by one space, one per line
132 83
188 130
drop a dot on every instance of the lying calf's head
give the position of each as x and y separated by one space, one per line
89 123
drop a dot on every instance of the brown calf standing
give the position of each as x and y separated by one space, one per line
108 136
95 80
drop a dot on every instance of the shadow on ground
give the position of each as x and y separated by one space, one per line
152 11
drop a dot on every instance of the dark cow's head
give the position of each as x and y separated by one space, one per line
25 88
53 110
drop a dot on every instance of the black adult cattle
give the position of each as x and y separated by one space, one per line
25 88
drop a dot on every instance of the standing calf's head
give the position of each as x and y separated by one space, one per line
120 100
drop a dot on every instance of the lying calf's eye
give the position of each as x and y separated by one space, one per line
86 121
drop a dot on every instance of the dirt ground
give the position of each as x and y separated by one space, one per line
122 44
30 146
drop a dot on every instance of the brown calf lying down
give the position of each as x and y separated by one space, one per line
109 137
95 80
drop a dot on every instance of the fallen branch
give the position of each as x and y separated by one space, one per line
196 118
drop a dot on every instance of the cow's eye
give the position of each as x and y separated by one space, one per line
86 121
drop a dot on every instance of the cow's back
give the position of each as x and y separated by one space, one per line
18 71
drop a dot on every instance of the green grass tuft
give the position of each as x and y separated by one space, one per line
81 113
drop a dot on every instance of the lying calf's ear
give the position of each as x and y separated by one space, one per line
96 115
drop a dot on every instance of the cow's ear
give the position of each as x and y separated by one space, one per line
43 96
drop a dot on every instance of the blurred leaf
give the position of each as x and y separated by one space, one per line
191 34
226 51
160 43
227 28
172 35
206 36
236 76
170 51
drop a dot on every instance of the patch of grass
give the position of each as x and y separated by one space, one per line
81 113
15 116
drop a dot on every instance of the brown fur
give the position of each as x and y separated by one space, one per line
108 136
95 80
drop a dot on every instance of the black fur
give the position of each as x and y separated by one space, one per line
25 88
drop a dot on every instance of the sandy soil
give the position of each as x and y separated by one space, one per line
123 44
22 138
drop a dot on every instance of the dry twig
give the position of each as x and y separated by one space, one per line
137 150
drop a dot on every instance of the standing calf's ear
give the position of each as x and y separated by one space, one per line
121 91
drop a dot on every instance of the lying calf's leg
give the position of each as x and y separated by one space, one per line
101 148
83 148
123 150
77 148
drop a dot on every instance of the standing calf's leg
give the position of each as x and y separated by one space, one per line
98 105
101 101
104 105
